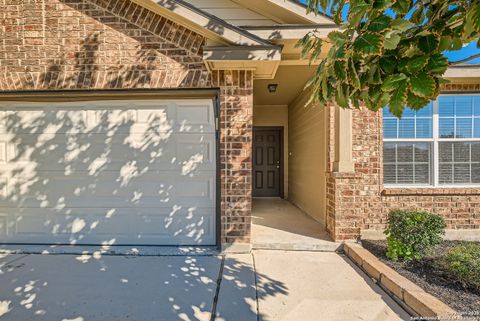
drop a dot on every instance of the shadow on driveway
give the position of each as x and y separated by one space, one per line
113 288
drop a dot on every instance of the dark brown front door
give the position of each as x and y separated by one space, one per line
267 162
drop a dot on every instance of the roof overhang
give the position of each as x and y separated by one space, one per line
261 49
201 22
263 60
287 36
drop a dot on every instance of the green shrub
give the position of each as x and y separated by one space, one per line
411 234
463 261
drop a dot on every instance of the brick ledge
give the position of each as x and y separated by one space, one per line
430 191
344 175
408 293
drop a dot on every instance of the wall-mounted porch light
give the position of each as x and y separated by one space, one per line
272 88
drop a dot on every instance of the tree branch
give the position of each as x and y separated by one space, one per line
453 63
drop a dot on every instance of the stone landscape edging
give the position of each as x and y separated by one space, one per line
408 293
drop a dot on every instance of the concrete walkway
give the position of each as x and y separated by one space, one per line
321 286
264 285
278 224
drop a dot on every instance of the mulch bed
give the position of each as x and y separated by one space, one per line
436 282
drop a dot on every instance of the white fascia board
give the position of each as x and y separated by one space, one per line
301 11
263 60
201 22
243 53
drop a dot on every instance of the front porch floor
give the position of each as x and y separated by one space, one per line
278 224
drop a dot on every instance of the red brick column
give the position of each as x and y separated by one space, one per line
354 198
236 112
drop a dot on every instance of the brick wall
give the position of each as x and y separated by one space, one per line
109 44
75 44
358 201
236 112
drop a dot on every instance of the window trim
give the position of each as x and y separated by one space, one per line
434 141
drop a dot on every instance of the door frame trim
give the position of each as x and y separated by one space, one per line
280 129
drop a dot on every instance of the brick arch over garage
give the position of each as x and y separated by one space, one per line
117 44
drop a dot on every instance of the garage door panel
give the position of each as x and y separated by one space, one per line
94 152
103 117
193 225
36 118
139 172
131 189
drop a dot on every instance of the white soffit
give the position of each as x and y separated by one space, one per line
201 22
289 32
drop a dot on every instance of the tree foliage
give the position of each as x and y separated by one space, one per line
388 52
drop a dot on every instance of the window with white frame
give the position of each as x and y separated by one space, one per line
438 145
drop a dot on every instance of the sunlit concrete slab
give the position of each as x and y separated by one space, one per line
100 287
277 224
312 286
237 295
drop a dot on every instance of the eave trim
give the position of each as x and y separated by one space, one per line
201 22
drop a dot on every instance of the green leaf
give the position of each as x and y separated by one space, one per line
402 65
415 102
383 100
340 68
368 44
399 98
381 5
401 25
357 10
411 51
355 98
392 38
353 75
392 81
306 43
337 17
338 38
341 96
402 6
388 64
445 43
379 24
374 75
473 16
456 44
378 98
443 81
339 53
418 15
423 85
428 44
438 64
416 63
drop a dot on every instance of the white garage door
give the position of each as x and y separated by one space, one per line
108 172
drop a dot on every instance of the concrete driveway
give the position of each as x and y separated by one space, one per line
264 285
